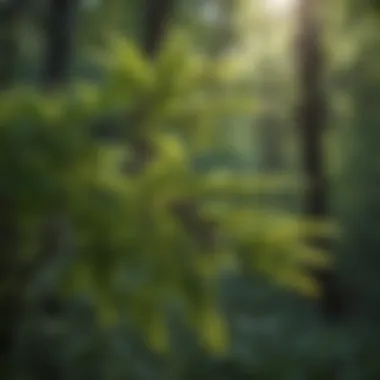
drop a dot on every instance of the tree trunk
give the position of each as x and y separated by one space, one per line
156 16
59 27
10 12
56 70
10 297
312 124
56 230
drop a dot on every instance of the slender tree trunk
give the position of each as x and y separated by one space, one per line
10 296
156 17
59 32
56 232
58 57
312 124
56 70
312 111
10 11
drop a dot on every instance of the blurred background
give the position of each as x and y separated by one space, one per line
188 189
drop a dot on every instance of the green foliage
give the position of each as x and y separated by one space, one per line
42 141
132 255
216 118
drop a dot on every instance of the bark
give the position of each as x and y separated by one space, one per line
156 16
312 125
10 12
59 31
59 47
9 297
56 232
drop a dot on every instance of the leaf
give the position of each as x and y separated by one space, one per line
158 333
213 332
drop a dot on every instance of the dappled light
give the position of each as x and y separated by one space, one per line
280 7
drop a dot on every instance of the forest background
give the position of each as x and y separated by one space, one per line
188 189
